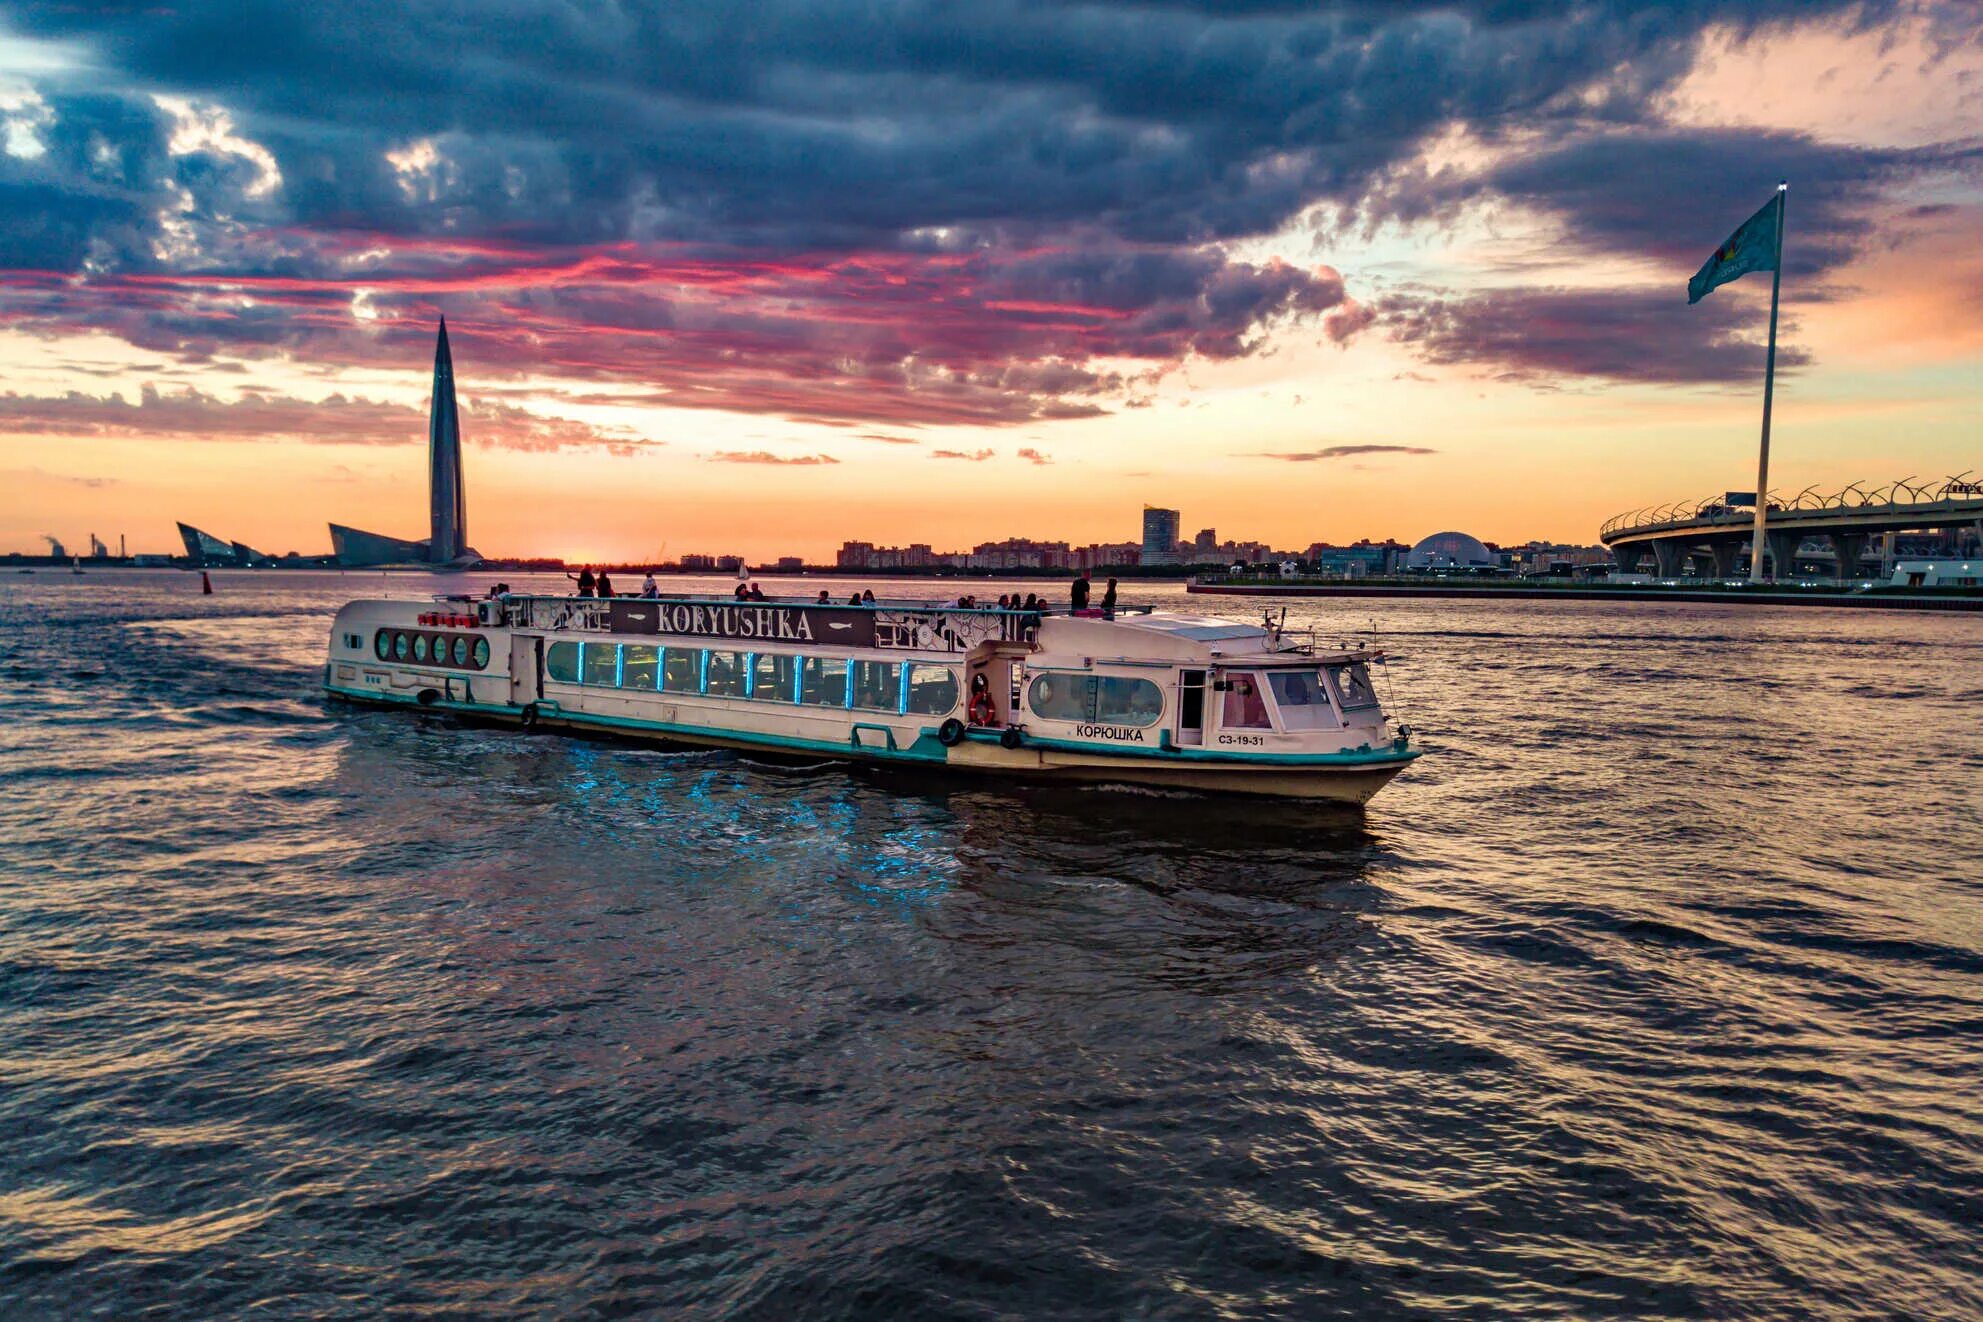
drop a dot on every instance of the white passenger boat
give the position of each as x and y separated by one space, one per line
1140 697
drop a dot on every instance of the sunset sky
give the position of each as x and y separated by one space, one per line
758 279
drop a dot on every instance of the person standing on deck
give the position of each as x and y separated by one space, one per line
584 577
1078 594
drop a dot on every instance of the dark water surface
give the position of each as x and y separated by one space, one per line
1655 989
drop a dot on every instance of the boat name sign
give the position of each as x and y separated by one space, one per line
1119 733
783 624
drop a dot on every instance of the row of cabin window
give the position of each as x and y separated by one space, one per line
459 651
1098 699
813 681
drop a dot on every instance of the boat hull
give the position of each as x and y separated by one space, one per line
1352 779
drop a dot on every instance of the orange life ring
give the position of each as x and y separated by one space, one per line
982 711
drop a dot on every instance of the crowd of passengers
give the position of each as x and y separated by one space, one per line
1080 593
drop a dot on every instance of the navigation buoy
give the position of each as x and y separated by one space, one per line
206 584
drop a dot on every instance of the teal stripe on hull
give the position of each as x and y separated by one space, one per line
926 747
1173 755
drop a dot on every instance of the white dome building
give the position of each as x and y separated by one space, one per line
1449 551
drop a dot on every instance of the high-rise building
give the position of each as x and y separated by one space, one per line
1159 535
447 496
448 537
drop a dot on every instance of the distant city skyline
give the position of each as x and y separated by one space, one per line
1374 273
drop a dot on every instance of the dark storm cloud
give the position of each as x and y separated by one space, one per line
802 122
1650 336
835 210
1673 194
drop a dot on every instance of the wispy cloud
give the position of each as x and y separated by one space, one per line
1339 452
192 414
886 439
969 456
766 457
1034 456
72 479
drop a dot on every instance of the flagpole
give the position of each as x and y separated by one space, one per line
1769 390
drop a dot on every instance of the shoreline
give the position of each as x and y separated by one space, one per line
1877 600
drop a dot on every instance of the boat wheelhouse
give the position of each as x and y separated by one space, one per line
1137 697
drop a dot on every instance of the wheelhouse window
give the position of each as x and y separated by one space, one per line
480 654
561 662
1303 701
638 664
458 650
401 645
1352 684
877 685
726 674
932 690
773 677
1244 708
823 681
681 670
382 644
420 647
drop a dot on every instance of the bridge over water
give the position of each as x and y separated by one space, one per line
1714 533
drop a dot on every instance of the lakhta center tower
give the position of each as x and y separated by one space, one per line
448 539
447 496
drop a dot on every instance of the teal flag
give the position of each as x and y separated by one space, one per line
1750 248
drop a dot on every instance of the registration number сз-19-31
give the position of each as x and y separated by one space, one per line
1244 740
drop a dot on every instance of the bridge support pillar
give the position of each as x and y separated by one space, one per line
1667 554
1782 547
1626 557
1727 555
1850 548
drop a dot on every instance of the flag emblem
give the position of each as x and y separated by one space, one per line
1751 248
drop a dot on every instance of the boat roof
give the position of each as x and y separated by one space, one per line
1157 636
1198 628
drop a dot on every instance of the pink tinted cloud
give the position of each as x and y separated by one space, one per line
766 457
894 338
191 414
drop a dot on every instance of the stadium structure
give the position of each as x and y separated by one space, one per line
207 551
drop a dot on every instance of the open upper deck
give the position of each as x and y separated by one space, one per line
902 626
1138 633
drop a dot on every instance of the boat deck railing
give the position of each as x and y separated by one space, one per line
888 625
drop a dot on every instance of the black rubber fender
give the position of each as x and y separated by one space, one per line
528 716
950 733
428 697
1010 737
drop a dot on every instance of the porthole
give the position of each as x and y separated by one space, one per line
460 650
419 647
382 644
400 646
481 653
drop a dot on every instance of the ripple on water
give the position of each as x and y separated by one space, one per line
1656 988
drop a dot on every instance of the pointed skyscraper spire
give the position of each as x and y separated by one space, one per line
448 540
